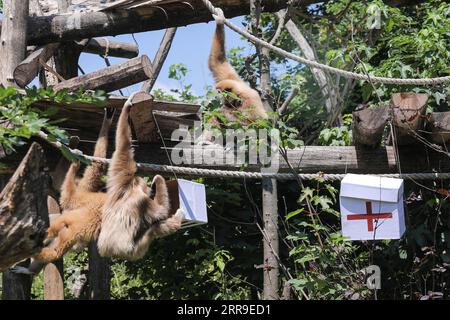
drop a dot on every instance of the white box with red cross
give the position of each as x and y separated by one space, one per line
372 207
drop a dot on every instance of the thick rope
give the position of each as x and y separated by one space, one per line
211 173
315 64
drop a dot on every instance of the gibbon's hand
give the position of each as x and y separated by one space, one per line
219 16
109 113
21 270
129 103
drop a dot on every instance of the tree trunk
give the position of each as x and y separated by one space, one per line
321 77
23 209
14 38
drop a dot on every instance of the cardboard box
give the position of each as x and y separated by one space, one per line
372 207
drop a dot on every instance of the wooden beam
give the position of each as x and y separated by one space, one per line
96 24
14 39
23 209
368 125
29 69
111 48
112 78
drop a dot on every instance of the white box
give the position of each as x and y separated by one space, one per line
372 207
191 198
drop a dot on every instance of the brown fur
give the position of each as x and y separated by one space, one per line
227 79
131 217
81 202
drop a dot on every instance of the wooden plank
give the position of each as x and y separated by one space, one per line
368 125
408 111
112 78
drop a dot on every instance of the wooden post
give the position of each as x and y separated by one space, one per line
13 43
408 110
99 275
271 245
269 186
368 125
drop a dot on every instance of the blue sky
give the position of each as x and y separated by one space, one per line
191 46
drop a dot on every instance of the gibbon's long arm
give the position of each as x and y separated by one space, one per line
91 181
123 167
218 63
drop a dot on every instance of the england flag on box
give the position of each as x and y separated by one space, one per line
372 207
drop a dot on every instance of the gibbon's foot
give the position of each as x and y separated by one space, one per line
21 270
219 16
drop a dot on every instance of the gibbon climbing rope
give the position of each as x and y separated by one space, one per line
315 64
188 171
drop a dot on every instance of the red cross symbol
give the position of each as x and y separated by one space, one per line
370 216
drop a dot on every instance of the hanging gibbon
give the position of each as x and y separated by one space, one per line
133 214
248 101
81 201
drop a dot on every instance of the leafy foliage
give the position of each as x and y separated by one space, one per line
21 120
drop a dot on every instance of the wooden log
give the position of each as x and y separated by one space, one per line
368 125
14 39
111 48
105 23
112 78
23 209
28 69
142 119
438 123
408 110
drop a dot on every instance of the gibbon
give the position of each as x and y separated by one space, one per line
133 214
227 80
81 202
